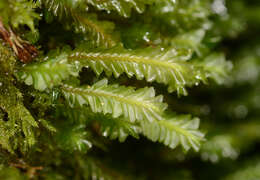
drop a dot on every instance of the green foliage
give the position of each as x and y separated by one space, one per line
73 138
123 7
117 100
49 73
100 31
121 70
186 14
17 114
16 120
118 128
19 12
217 67
174 131
169 67
87 23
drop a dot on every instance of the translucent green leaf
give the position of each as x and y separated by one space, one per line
173 131
181 15
100 31
117 128
49 73
17 12
113 128
217 67
190 40
117 100
123 7
70 137
75 13
168 67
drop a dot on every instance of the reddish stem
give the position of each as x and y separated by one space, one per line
23 50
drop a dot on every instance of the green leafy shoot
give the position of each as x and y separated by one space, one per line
168 67
175 130
141 104
99 32
123 7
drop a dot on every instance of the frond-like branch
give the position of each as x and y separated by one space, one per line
190 40
217 67
170 67
123 7
174 131
100 31
81 21
117 100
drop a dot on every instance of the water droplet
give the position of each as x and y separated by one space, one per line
198 77
146 37
105 133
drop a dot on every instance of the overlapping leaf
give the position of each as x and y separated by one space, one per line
72 137
173 131
100 31
181 15
216 67
118 128
123 7
169 67
190 40
74 12
113 128
49 73
141 104
17 12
